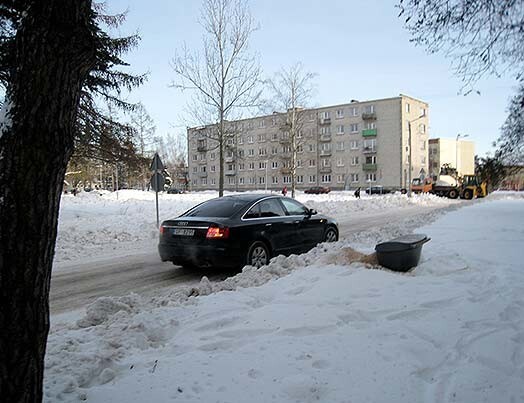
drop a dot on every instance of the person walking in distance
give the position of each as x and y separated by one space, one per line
284 191
357 193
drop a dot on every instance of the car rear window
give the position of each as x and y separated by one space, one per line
216 208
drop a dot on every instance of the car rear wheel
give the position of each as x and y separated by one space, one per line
331 235
258 254
453 194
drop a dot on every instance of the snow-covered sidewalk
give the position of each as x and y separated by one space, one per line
451 330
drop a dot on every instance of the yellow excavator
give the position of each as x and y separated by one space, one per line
472 187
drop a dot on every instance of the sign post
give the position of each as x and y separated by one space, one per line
157 181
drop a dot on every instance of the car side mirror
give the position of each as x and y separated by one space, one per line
312 212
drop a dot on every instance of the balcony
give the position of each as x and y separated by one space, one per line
325 137
325 170
369 132
369 116
229 159
202 174
230 172
369 150
369 167
202 162
201 148
324 121
325 153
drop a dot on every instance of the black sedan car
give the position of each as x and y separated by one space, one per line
317 190
240 230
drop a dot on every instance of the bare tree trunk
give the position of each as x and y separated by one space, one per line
54 52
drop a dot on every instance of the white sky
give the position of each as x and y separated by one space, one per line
313 327
359 50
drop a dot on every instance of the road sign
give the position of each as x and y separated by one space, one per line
157 182
156 164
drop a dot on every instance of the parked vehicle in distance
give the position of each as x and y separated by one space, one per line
317 190
421 185
239 230
174 191
377 190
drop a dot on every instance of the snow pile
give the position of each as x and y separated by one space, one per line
451 330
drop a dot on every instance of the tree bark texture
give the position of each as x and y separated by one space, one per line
54 51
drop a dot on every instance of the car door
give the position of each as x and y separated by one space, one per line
268 219
308 227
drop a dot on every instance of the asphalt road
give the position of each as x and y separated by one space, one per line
76 285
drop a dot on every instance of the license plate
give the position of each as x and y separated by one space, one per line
184 232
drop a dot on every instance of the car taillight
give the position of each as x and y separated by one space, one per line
161 229
216 232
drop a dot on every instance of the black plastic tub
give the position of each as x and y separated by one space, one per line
402 253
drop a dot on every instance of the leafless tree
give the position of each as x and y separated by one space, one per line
292 89
481 37
225 75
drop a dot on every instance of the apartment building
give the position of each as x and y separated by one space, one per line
340 146
458 153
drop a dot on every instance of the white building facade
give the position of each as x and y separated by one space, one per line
342 147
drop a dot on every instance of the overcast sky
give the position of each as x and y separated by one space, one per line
359 50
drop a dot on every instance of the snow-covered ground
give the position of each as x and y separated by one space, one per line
305 328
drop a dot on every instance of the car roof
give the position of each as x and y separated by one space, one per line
250 197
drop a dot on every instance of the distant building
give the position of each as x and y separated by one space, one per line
341 146
459 154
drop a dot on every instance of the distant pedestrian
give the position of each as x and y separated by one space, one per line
284 191
74 191
357 193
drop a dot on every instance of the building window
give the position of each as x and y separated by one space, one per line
326 178
340 113
274 165
286 179
300 134
195 182
312 178
213 156
274 150
340 162
422 111
371 159
354 161
326 162
340 178
241 153
371 177
300 148
369 145
324 115
340 146
369 109
354 178
251 181
286 149
422 145
422 128
204 181
261 180
262 123
300 178
251 152
250 139
241 166
325 130
407 108
241 181
212 168
274 179
262 151
195 157
203 168
262 137
340 129
371 125
262 165
240 140
195 170
213 181
423 160
354 127
312 147
353 111
326 147
273 122
312 163
299 163
274 136
353 145
251 166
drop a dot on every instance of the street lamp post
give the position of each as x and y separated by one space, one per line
266 175
456 150
409 151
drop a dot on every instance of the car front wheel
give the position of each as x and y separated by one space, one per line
331 235
258 254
